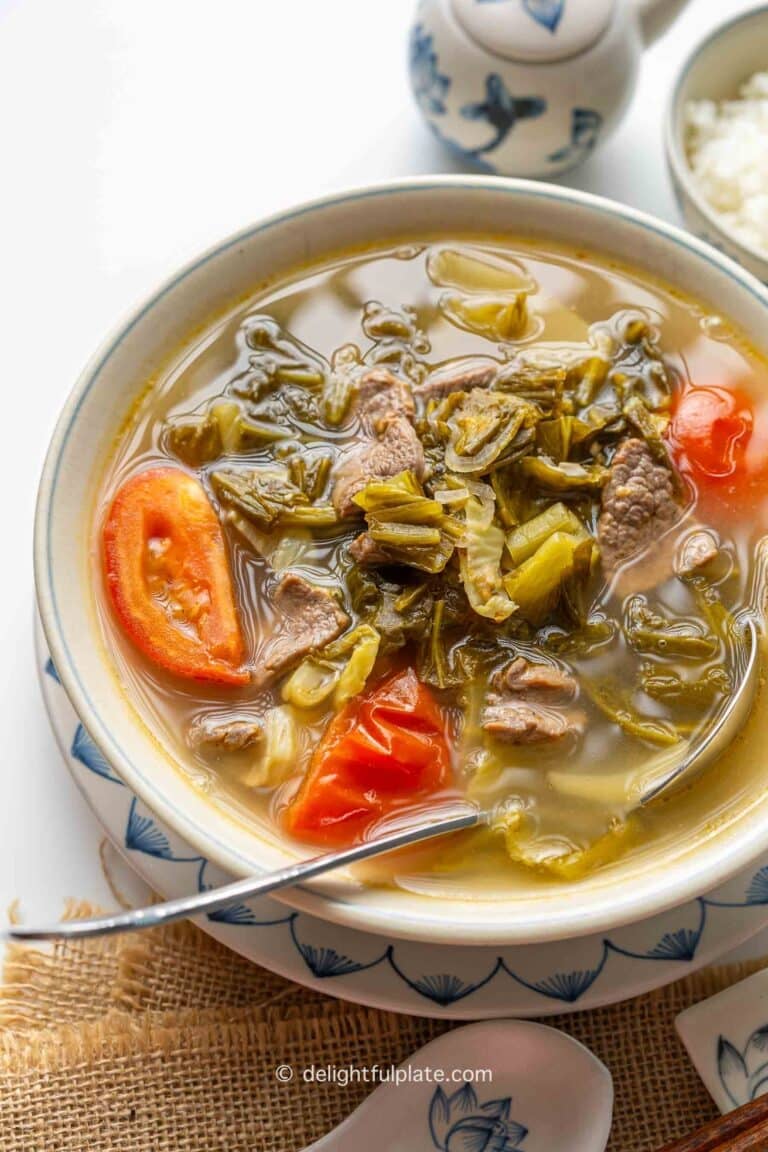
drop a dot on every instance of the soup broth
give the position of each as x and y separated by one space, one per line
490 517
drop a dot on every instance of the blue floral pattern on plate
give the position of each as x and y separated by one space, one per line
460 1123
466 981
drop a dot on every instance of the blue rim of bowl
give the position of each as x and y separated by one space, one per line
349 912
674 146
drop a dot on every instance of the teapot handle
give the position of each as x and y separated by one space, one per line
656 16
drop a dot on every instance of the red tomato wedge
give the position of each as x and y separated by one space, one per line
718 440
384 751
168 576
711 430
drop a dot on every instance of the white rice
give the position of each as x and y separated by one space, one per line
727 146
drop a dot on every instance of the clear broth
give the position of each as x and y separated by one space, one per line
322 308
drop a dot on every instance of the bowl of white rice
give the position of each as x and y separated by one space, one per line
717 139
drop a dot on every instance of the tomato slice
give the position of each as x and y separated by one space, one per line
168 576
710 433
384 751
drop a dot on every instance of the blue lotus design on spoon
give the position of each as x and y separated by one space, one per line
548 13
459 1123
744 1074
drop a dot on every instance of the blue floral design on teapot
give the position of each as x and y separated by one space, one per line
585 131
502 111
529 87
549 13
430 86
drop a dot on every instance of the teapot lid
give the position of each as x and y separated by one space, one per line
534 31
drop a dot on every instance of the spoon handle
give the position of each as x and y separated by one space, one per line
216 898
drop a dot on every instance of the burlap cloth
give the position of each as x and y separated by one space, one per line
167 1042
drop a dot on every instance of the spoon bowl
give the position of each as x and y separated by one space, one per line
529 1088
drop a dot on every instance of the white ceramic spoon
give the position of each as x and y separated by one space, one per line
727 1040
545 1093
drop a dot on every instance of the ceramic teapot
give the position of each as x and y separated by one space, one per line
529 87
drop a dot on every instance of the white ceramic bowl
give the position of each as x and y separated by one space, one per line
632 890
715 70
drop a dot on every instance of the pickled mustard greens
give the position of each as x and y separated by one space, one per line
459 517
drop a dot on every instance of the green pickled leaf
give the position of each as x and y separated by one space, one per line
266 496
650 426
557 855
311 684
528 537
535 586
510 502
500 317
718 617
222 430
402 535
650 632
379 495
542 385
416 512
637 364
278 359
409 526
410 596
468 270
480 559
310 515
195 441
360 664
555 437
485 429
346 367
618 708
433 667
566 476
278 753
310 475
593 633
574 863
339 671
670 686
262 495
381 323
587 379
249 433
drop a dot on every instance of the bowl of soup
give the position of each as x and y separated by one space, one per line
445 490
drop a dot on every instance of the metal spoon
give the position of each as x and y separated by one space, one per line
666 771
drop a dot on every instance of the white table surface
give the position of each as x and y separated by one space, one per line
132 134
